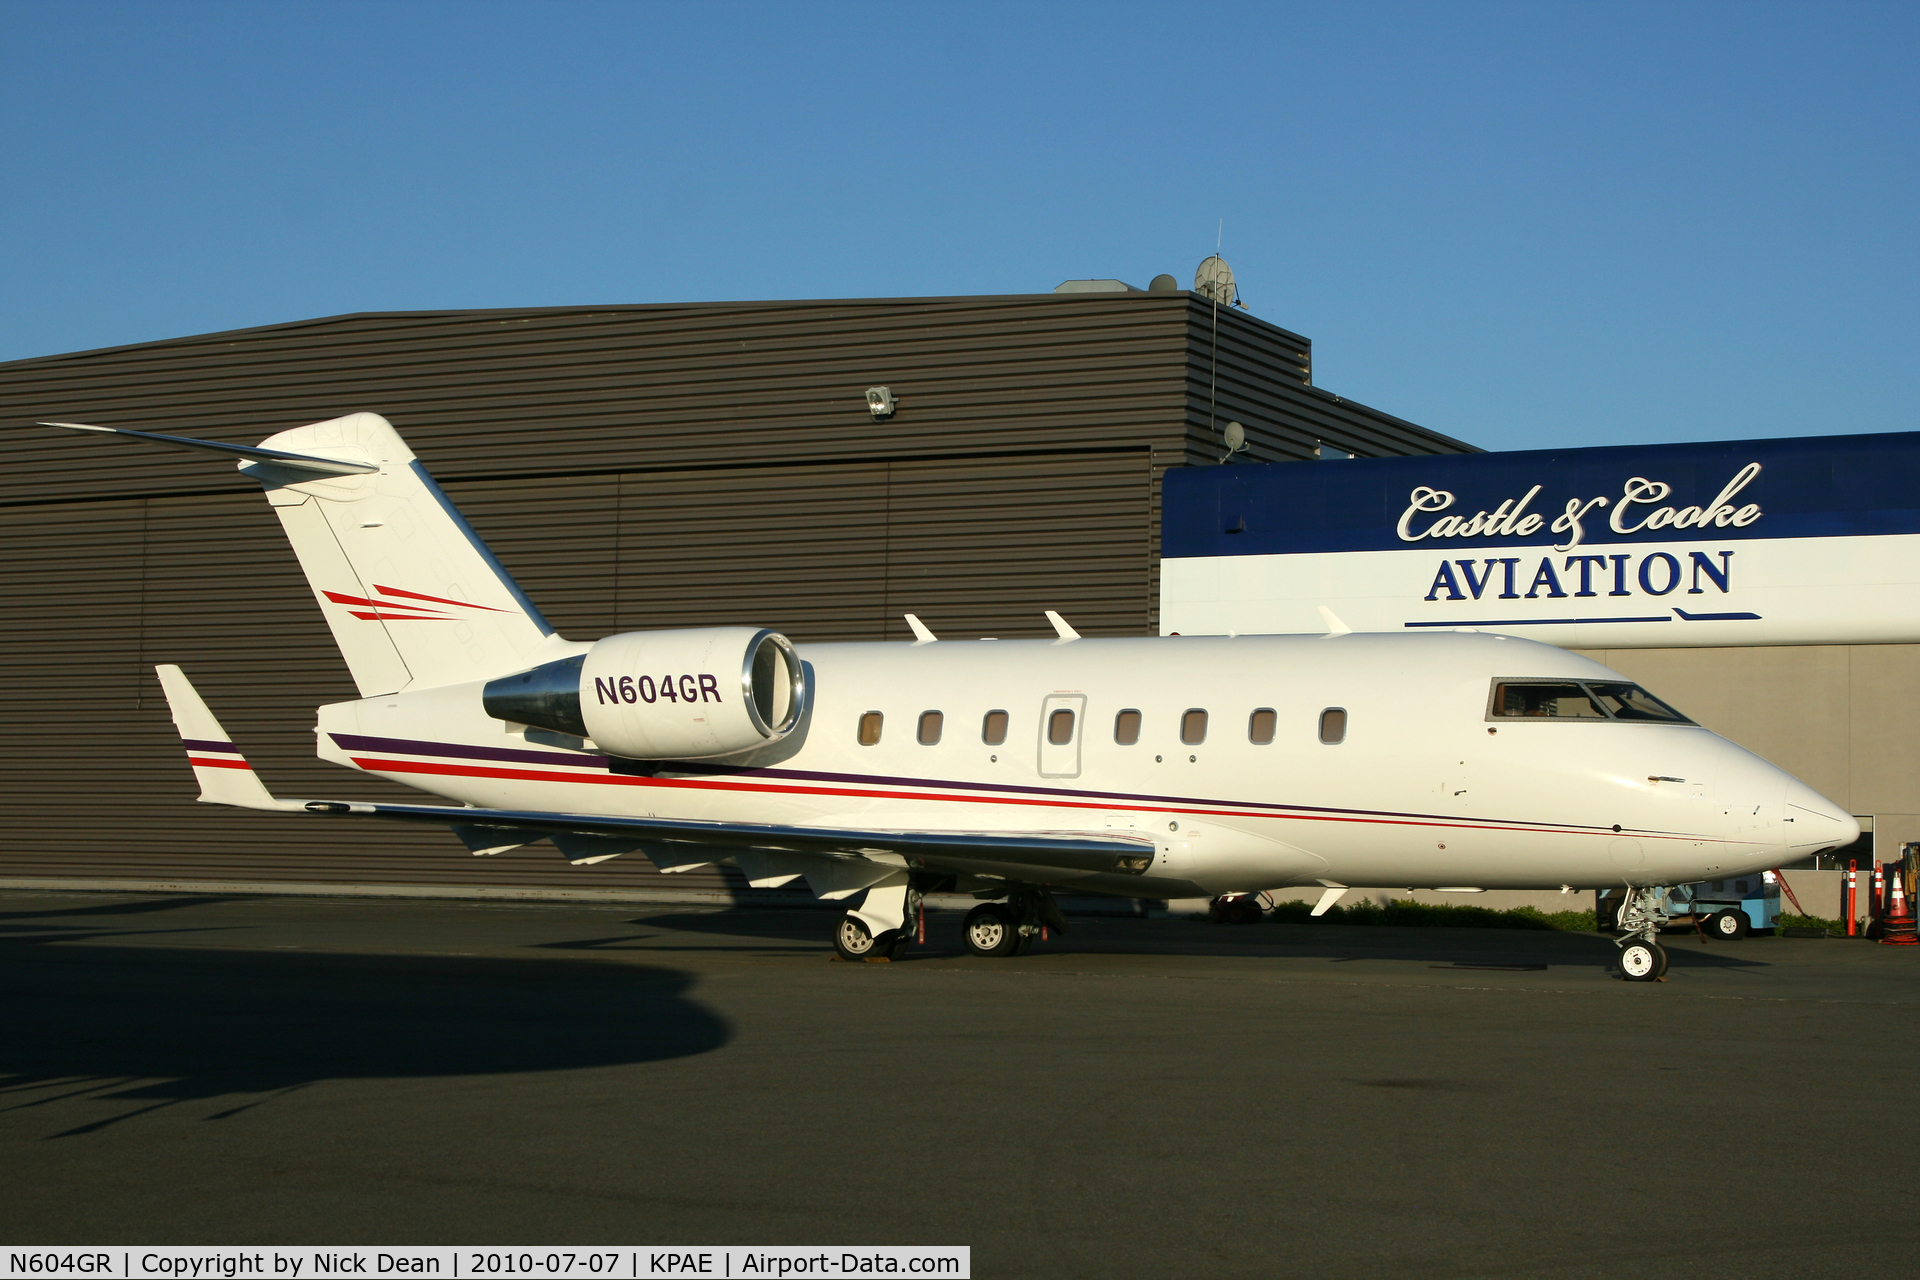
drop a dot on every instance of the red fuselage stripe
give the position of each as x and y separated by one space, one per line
701 784
202 762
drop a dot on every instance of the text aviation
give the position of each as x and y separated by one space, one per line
1513 518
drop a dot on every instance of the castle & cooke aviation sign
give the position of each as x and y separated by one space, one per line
1804 541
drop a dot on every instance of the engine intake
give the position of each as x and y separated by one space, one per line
663 695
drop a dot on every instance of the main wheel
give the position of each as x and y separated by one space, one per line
1607 917
1729 925
853 941
989 931
1642 961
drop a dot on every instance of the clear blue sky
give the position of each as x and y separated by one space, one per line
1526 225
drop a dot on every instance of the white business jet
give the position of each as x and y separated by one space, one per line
1148 768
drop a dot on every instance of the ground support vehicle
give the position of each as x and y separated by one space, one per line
1725 909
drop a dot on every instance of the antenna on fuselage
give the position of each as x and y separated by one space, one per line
1335 627
921 634
1060 626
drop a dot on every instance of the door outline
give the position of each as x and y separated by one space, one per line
1062 761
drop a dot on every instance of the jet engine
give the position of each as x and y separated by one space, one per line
663 695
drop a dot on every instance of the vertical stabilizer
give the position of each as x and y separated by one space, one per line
413 596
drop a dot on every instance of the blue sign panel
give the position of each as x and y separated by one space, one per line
1814 539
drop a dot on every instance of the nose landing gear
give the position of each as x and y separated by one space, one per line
1643 914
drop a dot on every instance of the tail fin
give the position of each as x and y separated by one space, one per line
413 596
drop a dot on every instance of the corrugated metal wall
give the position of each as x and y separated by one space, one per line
633 467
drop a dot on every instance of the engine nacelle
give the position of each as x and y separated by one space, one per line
663 695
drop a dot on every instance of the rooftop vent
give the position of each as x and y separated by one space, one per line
1095 286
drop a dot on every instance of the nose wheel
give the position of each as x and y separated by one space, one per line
1643 961
1643 913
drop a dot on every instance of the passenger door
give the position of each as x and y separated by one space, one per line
1062 717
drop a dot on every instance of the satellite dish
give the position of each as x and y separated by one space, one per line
1214 280
1235 437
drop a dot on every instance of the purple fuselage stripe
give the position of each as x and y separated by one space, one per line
688 768
454 750
201 744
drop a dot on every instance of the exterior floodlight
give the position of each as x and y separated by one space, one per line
880 402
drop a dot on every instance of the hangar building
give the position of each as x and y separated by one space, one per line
634 467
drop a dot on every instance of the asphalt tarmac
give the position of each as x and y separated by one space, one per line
1137 1098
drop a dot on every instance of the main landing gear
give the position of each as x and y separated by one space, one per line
879 929
1010 928
1642 915
853 940
883 926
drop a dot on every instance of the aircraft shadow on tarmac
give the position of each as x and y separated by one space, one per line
170 1024
1497 948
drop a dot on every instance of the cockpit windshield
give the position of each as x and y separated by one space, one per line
1579 700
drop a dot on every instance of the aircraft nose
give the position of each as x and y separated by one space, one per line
1815 823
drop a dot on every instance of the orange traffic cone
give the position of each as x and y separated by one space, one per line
1897 927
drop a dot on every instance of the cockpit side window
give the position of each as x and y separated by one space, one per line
1545 701
1591 701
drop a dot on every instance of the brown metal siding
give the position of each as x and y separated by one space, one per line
633 467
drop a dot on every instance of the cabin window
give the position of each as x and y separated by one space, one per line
1126 727
1260 726
1060 727
993 729
870 729
1333 726
930 722
1193 727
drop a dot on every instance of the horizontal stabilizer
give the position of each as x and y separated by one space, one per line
243 452
224 775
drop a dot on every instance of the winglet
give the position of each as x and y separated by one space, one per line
1060 625
224 775
922 634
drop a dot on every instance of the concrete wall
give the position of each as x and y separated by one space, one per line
1845 719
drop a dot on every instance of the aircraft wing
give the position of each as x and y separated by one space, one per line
769 854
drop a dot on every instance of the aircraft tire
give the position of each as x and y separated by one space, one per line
1642 961
1729 925
990 930
852 941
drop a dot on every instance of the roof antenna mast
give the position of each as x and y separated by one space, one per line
1215 280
